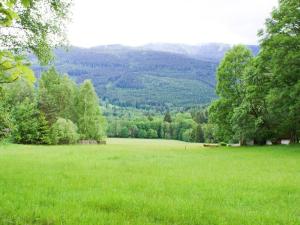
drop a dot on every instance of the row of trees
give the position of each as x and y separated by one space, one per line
259 96
181 127
56 112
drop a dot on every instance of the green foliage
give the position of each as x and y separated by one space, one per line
16 92
143 127
5 122
30 127
259 97
64 131
57 96
187 135
210 133
91 123
124 132
40 26
198 134
151 133
34 26
168 117
231 89
142 133
13 66
280 59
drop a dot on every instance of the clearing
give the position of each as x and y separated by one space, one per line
148 182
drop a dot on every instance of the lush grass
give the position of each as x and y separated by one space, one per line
149 182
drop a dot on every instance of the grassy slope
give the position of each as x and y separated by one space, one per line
149 182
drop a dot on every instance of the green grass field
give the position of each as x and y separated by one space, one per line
149 182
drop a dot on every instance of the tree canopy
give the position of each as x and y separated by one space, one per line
29 26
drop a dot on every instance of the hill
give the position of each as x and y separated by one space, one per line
152 76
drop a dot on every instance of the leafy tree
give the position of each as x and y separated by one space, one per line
124 132
280 58
91 123
151 133
142 133
17 92
56 96
34 26
230 88
209 133
64 131
187 135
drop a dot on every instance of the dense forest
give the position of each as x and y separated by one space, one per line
158 77
155 91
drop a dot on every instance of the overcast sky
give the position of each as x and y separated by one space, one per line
137 22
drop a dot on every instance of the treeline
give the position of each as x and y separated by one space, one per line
57 111
259 97
180 126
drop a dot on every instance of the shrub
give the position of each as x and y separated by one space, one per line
152 133
142 133
64 131
187 135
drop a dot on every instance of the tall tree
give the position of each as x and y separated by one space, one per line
280 54
56 96
231 90
91 123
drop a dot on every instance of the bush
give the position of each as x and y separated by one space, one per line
64 131
142 133
187 135
152 133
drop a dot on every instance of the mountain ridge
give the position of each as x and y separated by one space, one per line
159 76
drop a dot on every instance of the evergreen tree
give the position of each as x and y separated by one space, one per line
168 117
30 127
198 134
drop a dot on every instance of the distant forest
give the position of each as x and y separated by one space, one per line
160 77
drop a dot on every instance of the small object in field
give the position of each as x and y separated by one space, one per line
250 142
91 142
234 145
211 145
285 141
269 142
102 142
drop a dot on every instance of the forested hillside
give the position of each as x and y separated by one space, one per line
148 76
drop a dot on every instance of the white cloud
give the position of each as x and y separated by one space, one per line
136 22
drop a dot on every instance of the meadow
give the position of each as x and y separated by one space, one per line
144 182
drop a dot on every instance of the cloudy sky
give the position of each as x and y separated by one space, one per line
137 22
